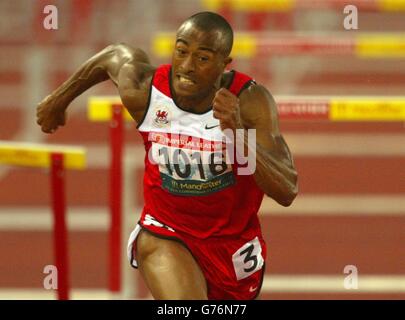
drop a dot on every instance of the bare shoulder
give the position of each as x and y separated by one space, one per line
258 94
136 62
258 107
136 75
134 85
130 52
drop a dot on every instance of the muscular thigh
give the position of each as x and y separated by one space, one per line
169 269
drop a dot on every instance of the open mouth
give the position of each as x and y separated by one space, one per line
185 80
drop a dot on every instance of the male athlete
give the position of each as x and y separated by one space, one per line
199 235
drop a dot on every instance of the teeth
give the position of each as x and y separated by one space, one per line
184 80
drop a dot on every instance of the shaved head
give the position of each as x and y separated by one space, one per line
211 22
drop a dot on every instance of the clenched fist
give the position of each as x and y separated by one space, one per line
226 109
51 114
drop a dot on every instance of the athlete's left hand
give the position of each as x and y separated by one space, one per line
225 108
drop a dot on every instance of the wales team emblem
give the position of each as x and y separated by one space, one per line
161 116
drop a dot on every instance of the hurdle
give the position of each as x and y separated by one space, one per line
293 5
250 44
342 109
330 108
57 159
109 109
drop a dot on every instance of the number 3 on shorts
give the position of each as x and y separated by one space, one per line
248 259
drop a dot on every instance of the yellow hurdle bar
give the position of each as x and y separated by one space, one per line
288 5
39 155
350 108
380 45
251 5
367 109
246 45
99 108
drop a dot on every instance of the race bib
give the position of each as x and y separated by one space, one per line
248 259
192 166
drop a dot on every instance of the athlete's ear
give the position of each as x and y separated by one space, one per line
227 61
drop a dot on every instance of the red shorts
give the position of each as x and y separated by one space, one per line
233 266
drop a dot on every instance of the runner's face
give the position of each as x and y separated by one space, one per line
197 62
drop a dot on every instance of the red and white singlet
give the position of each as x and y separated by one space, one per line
188 186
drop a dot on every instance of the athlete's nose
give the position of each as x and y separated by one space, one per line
188 65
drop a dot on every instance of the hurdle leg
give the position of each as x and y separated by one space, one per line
59 230
116 141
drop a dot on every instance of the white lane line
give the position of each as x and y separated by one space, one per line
43 294
323 283
381 284
40 219
338 204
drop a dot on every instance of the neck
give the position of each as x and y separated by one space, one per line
198 104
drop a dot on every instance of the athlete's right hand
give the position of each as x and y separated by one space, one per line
51 114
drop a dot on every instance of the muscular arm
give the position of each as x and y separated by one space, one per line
127 67
256 109
275 171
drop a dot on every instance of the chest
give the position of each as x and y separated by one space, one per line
164 116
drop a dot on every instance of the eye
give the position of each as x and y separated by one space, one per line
180 51
203 58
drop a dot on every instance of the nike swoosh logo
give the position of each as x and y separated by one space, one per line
252 289
211 127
